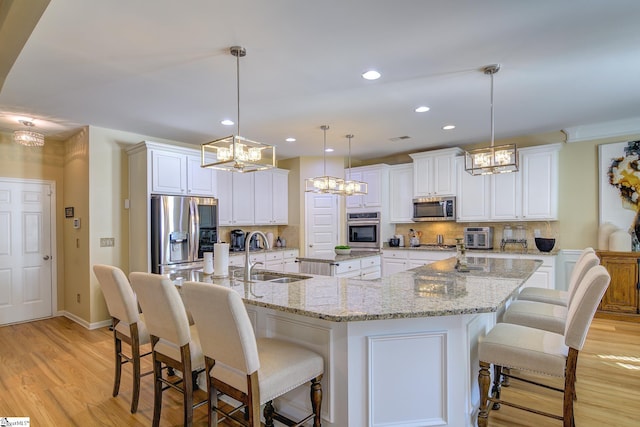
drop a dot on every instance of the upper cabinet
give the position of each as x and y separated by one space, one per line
271 197
377 179
434 172
531 194
177 171
235 198
401 193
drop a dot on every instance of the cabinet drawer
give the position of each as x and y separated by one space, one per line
257 257
236 260
274 256
369 262
398 254
347 266
293 253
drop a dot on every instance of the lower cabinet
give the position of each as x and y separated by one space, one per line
281 261
367 268
397 260
544 277
621 297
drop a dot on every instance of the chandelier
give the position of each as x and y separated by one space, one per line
28 137
235 153
492 160
352 187
325 184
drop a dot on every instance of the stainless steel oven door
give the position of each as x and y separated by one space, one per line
364 234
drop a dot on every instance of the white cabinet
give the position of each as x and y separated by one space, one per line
349 268
370 268
531 194
177 171
236 260
367 268
377 179
401 193
434 172
543 277
235 198
398 260
271 196
290 265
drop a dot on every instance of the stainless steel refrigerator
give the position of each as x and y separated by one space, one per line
182 229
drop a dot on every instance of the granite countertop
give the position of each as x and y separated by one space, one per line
436 289
334 259
451 248
257 251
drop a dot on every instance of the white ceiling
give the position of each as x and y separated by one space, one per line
162 68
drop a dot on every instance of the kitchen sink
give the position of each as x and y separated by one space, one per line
277 278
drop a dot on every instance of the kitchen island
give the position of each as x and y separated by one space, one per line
398 351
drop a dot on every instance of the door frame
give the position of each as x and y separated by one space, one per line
52 230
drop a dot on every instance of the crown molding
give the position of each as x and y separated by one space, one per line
612 129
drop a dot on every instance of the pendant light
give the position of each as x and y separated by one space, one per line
324 184
492 160
27 137
352 187
235 153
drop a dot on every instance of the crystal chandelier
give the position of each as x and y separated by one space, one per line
235 153
325 184
492 160
352 187
28 137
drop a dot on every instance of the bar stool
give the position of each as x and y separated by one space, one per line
557 297
253 372
174 342
128 325
542 352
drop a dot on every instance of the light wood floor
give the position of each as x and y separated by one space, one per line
60 374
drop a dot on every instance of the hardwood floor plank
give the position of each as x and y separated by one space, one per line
59 373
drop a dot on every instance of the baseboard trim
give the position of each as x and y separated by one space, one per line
88 325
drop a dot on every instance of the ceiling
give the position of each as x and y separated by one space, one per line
158 68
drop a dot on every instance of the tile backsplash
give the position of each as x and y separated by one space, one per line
452 230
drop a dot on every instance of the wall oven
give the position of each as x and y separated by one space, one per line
363 230
434 209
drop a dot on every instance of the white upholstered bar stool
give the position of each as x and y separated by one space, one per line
251 371
550 317
541 352
174 343
128 325
558 297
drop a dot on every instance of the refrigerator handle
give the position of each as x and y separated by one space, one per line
194 225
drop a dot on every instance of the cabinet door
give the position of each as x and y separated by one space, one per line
506 197
543 277
243 201
373 198
291 266
401 193
622 294
472 202
539 171
280 195
263 197
392 265
200 181
168 172
354 202
225 197
444 177
423 177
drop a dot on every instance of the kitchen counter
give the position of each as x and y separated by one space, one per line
334 258
472 252
415 331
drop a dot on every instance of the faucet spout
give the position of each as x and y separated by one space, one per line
248 266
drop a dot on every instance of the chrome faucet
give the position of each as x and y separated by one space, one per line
248 266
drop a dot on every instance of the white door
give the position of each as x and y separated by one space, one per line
26 278
321 225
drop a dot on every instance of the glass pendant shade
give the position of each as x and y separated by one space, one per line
353 187
491 160
235 153
28 138
324 184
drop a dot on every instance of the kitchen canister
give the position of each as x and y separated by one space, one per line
208 263
221 268
270 239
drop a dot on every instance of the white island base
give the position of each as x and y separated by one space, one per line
392 372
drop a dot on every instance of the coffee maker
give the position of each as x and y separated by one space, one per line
237 240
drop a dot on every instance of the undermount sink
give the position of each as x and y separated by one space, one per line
277 278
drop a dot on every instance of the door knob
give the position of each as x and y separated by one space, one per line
46 257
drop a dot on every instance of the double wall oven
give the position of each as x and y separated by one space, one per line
363 231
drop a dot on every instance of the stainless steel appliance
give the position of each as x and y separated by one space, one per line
182 229
478 237
363 230
434 209
238 238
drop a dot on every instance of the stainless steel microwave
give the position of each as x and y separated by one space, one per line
434 209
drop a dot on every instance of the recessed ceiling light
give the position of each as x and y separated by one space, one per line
371 75
290 139
329 150
227 122
448 127
422 109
